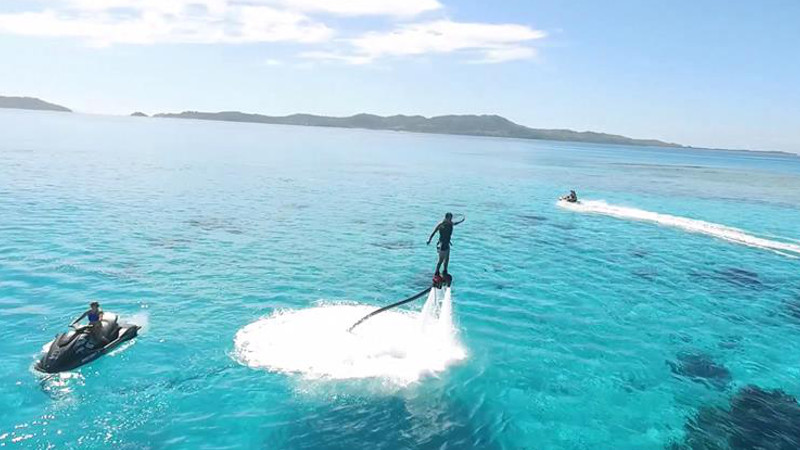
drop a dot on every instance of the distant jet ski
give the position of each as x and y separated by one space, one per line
572 197
78 347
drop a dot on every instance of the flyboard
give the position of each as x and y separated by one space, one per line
439 281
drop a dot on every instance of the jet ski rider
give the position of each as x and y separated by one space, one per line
572 197
95 315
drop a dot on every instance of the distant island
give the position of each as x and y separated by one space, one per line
30 103
465 125
468 125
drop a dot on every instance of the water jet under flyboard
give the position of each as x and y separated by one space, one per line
397 345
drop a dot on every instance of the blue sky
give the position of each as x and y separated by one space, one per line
707 73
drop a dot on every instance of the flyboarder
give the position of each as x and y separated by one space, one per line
445 230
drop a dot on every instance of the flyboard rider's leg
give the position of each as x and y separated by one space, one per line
441 279
441 260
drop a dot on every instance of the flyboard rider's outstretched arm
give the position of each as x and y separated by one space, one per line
435 230
439 225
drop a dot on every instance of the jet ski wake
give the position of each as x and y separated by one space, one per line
718 231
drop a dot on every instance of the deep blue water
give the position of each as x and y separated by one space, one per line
575 324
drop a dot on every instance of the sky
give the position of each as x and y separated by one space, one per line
707 73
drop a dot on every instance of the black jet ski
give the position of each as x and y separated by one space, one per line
572 197
77 346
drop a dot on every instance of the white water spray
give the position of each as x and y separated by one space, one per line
142 319
400 346
730 234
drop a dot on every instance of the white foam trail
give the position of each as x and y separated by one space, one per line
46 347
59 385
730 234
400 346
122 347
141 319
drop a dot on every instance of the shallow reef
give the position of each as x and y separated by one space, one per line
740 277
791 308
701 368
756 419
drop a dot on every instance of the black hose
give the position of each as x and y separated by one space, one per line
393 305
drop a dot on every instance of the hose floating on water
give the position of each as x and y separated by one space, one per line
393 305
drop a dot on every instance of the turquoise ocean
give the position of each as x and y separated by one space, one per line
246 250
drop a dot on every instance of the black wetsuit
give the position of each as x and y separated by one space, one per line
445 232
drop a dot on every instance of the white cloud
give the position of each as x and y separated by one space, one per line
335 56
443 36
500 55
397 8
107 22
110 22
491 43
153 6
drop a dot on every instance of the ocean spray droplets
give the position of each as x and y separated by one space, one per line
401 346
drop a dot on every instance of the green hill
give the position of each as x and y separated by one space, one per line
469 125
30 103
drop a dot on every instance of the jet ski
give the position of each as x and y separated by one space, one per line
78 347
572 197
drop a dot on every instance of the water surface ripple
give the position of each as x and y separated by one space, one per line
580 331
